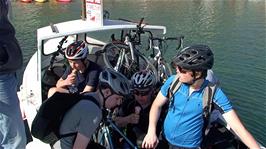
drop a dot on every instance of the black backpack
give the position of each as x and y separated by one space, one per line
47 121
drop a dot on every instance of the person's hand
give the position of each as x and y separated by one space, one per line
137 109
133 118
71 78
150 141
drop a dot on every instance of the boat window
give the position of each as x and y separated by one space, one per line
52 45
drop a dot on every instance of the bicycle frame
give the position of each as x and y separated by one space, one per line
120 60
108 123
135 39
162 67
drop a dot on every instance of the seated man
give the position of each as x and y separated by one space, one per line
134 113
82 74
85 116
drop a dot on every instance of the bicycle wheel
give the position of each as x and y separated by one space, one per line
118 57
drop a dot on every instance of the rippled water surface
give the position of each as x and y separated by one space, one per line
235 30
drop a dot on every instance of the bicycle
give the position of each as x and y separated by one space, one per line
158 47
55 69
124 56
103 135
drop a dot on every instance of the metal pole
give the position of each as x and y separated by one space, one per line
83 10
122 135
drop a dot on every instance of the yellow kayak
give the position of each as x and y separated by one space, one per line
41 1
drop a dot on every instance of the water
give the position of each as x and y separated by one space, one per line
235 30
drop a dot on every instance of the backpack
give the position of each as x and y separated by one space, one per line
207 101
46 124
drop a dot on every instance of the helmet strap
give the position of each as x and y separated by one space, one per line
105 98
194 76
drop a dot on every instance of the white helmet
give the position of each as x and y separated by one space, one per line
143 79
76 50
115 80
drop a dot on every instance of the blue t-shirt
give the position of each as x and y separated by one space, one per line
184 121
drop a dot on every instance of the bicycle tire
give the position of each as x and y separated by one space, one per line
111 57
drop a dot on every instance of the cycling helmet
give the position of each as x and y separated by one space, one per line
143 79
115 80
76 50
196 57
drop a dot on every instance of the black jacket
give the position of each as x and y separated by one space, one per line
10 52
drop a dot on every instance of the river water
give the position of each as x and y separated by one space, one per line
234 29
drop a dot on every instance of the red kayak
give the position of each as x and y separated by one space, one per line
26 1
64 1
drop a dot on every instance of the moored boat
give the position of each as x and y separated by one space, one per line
64 1
26 1
41 1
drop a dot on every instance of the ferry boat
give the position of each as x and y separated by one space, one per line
39 75
36 80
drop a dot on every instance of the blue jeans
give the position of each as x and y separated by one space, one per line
12 131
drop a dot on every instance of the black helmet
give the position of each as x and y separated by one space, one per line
196 57
115 80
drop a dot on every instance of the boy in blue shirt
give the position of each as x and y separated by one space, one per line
184 121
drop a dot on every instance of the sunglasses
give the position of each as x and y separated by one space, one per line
181 70
141 93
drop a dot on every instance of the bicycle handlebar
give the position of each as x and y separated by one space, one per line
59 47
163 39
174 38
179 39
59 50
167 38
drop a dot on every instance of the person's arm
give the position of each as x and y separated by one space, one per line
151 139
89 88
122 121
81 142
234 122
63 83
